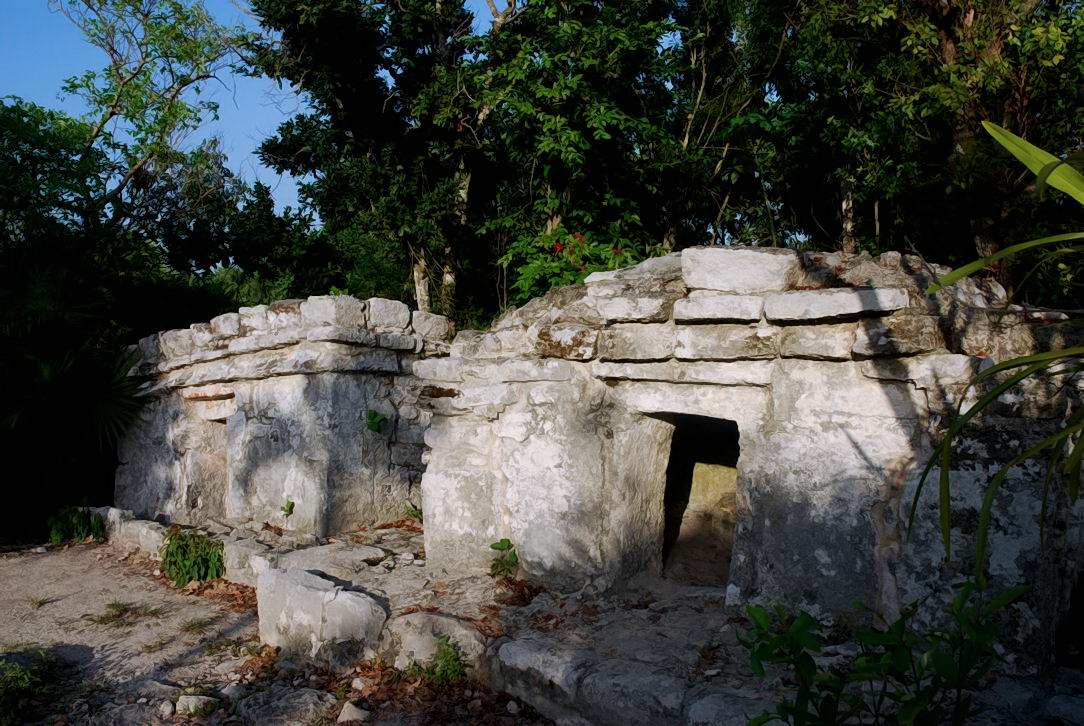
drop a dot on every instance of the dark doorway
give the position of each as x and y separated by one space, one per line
701 489
1069 641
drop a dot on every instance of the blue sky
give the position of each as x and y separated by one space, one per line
39 48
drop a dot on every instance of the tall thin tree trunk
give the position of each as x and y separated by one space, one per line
850 242
421 285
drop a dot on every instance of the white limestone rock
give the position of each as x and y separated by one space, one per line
304 614
633 309
413 638
337 311
805 305
637 341
725 342
738 270
142 535
388 314
823 342
226 325
711 306
176 343
432 326
253 319
237 555
341 560
745 373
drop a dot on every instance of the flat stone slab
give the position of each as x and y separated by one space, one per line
739 270
805 305
710 306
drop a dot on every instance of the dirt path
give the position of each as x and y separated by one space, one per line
120 634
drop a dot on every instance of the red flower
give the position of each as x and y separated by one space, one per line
558 247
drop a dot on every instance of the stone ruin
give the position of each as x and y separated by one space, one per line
748 419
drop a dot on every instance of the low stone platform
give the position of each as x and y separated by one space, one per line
656 652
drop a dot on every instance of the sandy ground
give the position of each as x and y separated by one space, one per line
51 600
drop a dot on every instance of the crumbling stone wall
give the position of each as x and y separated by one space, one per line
551 428
272 404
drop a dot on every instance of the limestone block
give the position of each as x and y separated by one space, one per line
898 335
747 405
176 343
817 391
439 369
628 692
431 326
545 673
226 325
142 535
707 305
637 341
572 341
727 705
284 706
340 334
523 370
725 342
341 560
744 373
265 341
633 309
739 270
823 342
412 638
150 350
202 335
112 517
253 319
304 614
388 314
284 314
399 341
340 311
237 555
833 303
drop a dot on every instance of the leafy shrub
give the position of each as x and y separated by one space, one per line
288 507
446 667
75 524
506 563
23 678
189 554
413 512
899 675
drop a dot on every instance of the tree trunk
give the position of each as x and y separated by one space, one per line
850 242
421 285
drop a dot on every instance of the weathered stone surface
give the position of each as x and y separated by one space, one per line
175 343
706 305
727 706
227 325
141 535
253 319
637 341
431 326
750 373
898 335
413 638
634 309
284 706
388 314
829 304
188 705
725 342
739 270
237 554
748 405
619 691
340 311
824 342
573 341
342 560
305 614
351 713
284 314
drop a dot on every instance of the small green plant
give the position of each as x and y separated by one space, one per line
75 524
375 420
288 507
446 668
24 678
412 512
190 555
37 603
120 614
197 626
506 563
899 675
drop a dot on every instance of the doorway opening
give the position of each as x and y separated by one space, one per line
1069 641
700 500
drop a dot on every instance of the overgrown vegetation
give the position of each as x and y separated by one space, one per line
374 421
26 677
288 507
190 555
76 524
412 512
1065 447
446 668
506 563
900 674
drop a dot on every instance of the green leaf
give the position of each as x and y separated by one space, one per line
982 263
1062 176
502 545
